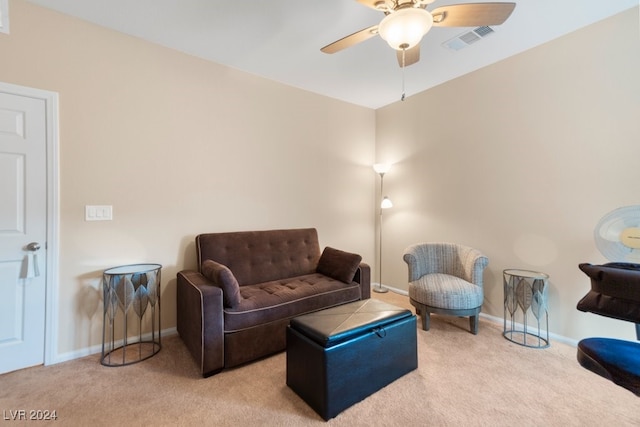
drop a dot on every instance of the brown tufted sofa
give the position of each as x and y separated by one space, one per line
248 286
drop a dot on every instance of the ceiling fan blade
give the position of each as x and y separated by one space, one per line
351 40
411 56
472 14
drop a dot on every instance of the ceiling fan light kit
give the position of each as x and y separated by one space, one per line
403 29
407 21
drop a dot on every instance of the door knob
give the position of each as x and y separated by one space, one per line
33 246
31 267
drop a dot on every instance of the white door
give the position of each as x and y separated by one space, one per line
23 228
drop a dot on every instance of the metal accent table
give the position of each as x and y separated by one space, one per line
130 289
527 290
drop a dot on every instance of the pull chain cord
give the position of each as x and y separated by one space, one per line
404 50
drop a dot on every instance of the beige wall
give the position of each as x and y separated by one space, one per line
521 159
181 146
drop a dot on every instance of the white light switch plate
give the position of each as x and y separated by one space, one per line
98 213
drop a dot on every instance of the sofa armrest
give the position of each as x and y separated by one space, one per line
200 320
363 277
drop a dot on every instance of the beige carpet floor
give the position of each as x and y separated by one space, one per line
461 379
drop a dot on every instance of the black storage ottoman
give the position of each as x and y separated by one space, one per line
338 356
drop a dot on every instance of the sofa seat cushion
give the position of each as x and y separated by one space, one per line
281 299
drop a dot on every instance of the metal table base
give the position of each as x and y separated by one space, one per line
525 293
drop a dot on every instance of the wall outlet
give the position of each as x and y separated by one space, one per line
98 213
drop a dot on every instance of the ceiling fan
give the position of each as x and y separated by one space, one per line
406 21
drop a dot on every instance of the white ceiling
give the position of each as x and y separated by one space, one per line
281 39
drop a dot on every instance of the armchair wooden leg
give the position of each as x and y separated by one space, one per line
473 324
426 319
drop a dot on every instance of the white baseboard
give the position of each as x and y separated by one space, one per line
88 351
520 326
391 288
493 319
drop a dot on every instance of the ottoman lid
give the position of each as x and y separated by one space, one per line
338 324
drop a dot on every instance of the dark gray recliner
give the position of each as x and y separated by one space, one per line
615 293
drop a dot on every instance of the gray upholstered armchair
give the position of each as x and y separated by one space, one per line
446 278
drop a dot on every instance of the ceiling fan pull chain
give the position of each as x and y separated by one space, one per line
404 50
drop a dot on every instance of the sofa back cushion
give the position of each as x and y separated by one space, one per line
262 256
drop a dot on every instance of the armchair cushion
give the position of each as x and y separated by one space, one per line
224 278
339 265
446 291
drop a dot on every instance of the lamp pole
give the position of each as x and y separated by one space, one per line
379 288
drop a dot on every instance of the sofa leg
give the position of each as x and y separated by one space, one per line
473 324
211 373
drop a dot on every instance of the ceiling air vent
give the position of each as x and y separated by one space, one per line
465 39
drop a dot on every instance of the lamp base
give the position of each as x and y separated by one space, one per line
379 289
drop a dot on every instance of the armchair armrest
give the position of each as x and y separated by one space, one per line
422 259
200 321
415 272
473 265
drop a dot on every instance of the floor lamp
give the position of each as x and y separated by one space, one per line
385 203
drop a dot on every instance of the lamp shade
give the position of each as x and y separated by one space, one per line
381 167
404 28
386 203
